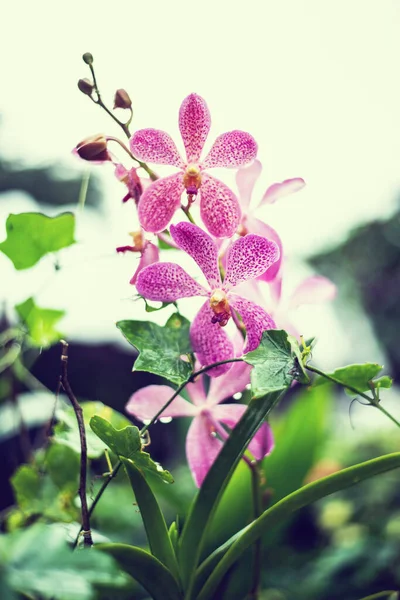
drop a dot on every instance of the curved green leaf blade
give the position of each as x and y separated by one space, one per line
32 235
285 507
126 442
40 322
153 519
146 569
204 504
160 348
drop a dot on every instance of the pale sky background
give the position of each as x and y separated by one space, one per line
316 82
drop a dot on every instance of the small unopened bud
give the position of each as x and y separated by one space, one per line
121 99
86 86
94 149
88 58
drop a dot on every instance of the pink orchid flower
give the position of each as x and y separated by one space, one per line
219 207
315 289
207 432
246 179
247 258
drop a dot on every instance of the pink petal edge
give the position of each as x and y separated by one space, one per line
167 282
232 149
249 257
155 146
201 247
159 202
146 402
194 125
279 190
219 207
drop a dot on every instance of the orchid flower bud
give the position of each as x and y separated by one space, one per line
93 149
86 86
122 100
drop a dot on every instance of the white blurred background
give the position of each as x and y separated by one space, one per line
316 83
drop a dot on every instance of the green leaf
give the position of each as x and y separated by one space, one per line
275 364
146 569
26 484
359 376
278 513
62 464
66 431
40 562
383 382
160 348
206 500
127 443
40 322
123 442
32 235
153 519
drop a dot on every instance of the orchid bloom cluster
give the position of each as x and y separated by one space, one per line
237 254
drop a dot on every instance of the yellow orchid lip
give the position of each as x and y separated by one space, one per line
220 307
192 179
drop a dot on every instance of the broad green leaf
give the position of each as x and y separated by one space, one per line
26 484
160 348
360 376
123 442
126 442
40 322
278 513
383 382
37 494
275 365
206 501
40 562
146 569
66 431
153 519
32 235
62 464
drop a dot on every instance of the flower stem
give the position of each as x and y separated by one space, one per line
372 401
146 427
124 126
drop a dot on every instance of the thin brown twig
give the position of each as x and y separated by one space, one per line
87 534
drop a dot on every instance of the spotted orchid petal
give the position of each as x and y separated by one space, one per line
229 414
150 254
246 178
219 207
232 149
194 125
255 319
253 225
202 447
155 146
313 290
159 202
279 190
229 384
200 247
247 258
210 341
167 282
146 402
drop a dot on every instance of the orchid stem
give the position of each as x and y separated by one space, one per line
124 126
146 427
371 401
